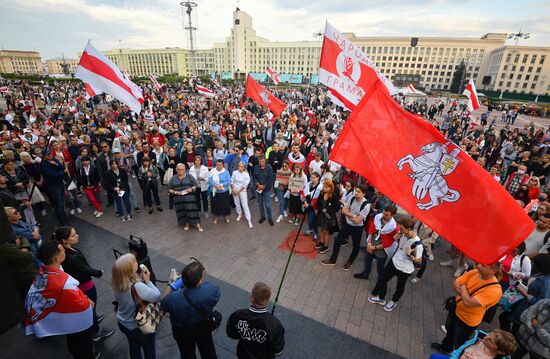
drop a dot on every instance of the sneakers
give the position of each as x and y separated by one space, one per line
431 257
285 213
390 306
129 217
315 237
238 217
96 355
279 219
250 224
137 209
276 200
122 219
448 263
346 243
327 262
100 317
374 299
297 223
319 245
44 213
78 210
323 249
272 195
360 276
291 220
261 220
347 266
443 329
458 272
95 212
72 212
270 221
415 280
98 214
102 333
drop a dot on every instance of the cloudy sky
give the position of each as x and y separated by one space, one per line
64 26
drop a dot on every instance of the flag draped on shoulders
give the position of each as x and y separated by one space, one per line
346 70
408 160
55 306
261 96
96 69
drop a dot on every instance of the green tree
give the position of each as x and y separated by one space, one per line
458 77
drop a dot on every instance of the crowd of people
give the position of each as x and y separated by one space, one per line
212 155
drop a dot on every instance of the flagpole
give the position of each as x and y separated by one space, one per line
276 301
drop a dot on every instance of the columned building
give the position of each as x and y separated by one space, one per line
20 62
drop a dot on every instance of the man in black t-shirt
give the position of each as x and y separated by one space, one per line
260 334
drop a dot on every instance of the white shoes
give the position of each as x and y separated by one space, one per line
239 217
95 212
431 257
279 219
286 214
72 212
78 210
250 224
458 272
415 280
276 199
448 263
99 214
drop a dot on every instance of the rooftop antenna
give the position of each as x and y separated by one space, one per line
187 8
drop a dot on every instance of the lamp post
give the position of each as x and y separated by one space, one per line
515 36
318 35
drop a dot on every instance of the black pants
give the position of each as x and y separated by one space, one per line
521 352
202 200
457 332
80 344
389 272
198 335
153 187
355 232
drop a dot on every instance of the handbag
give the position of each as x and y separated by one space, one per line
213 319
168 175
509 298
148 315
36 196
72 186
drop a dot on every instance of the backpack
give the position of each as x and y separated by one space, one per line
424 257
366 219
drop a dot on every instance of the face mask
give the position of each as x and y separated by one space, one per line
520 172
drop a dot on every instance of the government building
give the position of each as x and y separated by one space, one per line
20 62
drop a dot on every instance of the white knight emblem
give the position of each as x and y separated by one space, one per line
428 171
265 97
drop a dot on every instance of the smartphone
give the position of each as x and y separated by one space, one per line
520 285
143 268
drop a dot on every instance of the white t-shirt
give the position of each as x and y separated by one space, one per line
401 260
315 166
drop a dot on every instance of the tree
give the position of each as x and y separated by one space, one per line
458 77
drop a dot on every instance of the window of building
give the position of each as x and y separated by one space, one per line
500 83
539 69
525 58
542 58
533 59
509 84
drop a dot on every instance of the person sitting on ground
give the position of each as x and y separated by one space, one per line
270 341
497 344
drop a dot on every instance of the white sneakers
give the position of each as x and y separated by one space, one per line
374 299
415 280
250 224
390 306
78 210
239 217
276 199
72 212
279 219
286 214
98 214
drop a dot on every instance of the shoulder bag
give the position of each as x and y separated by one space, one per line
450 304
214 319
148 315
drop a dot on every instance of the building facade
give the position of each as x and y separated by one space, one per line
20 62
56 66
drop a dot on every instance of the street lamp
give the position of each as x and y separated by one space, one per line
515 36
318 35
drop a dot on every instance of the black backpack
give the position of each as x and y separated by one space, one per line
424 257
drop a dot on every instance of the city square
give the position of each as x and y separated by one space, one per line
220 165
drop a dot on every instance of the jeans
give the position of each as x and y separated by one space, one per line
152 186
55 194
356 232
389 272
380 263
457 332
126 199
283 202
312 221
80 344
198 335
264 204
422 269
138 341
92 295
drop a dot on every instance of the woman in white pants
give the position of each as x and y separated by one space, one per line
239 183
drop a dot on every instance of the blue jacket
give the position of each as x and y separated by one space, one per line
53 173
232 162
24 230
182 314
478 334
225 181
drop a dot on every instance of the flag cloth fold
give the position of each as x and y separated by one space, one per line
273 75
347 70
471 92
409 161
97 70
91 92
205 91
136 90
261 96
155 82
411 88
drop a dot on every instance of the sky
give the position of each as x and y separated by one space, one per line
53 27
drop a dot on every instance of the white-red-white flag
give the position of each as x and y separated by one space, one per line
97 70
347 70
155 82
205 91
411 88
471 93
136 90
273 75
4 89
335 100
91 92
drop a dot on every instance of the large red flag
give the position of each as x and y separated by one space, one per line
407 159
260 95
